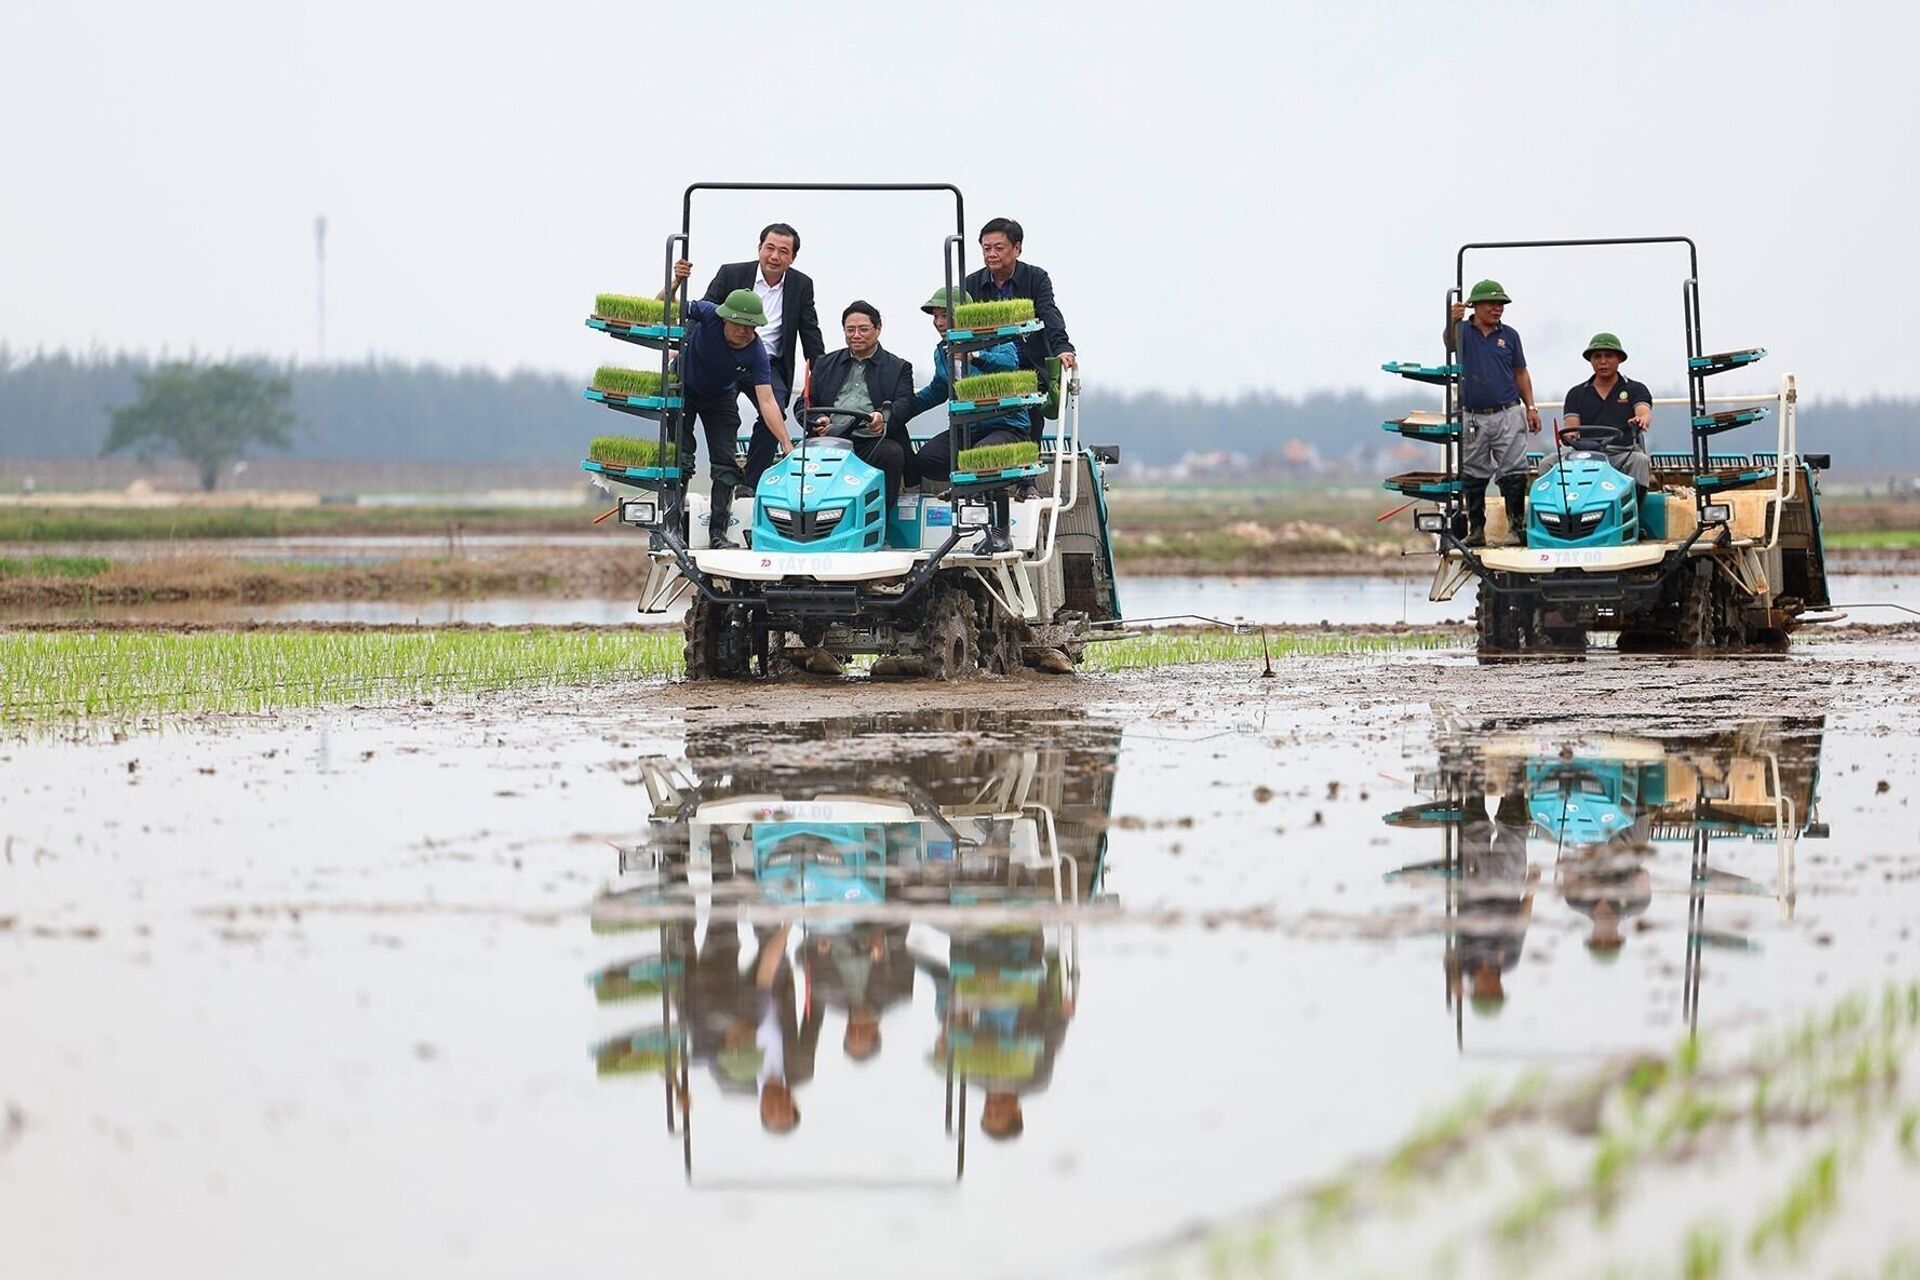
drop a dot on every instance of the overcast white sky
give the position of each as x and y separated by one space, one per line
1229 196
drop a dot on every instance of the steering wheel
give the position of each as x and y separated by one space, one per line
843 424
1600 435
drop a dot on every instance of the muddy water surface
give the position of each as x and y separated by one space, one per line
1273 601
1011 979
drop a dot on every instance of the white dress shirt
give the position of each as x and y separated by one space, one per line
770 298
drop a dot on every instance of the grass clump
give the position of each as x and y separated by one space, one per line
635 383
992 386
54 567
49 678
992 457
991 315
1165 649
631 451
631 310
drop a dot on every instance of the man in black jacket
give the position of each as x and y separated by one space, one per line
865 377
787 296
1005 276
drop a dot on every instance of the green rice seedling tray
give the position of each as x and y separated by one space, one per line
629 451
1722 361
640 406
1712 424
989 386
1004 474
1708 484
992 457
992 313
643 1053
1422 484
1431 427
1438 375
646 477
636 980
964 408
657 336
991 335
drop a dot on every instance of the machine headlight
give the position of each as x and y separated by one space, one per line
780 515
1591 517
1716 513
1430 521
829 517
644 512
971 517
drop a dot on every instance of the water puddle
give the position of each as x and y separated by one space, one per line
993 993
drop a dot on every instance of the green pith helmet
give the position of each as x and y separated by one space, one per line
1604 342
742 307
1488 291
945 300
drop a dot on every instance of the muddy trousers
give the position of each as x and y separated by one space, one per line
1513 492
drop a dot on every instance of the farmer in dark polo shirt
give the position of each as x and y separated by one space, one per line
1496 394
722 358
1608 413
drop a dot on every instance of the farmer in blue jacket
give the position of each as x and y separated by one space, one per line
934 460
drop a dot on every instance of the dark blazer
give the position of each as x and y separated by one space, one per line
1030 281
797 315
889 384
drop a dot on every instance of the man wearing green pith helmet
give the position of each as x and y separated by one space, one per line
1610 412
1496 398
722 358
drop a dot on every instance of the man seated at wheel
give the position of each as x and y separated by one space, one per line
862 383
1610 414
934 460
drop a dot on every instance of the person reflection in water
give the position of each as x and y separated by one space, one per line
1609 884
745 1026
1496 896
865 971
1003 1007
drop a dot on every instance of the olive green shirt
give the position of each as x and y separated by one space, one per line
853 392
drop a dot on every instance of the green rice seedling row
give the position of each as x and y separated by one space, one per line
988 315
626 382
991 457
65 676
992 386
630 451
631 309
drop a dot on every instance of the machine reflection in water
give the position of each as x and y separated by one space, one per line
1609 817
803 876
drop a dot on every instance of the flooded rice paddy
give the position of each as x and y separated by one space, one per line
1270 601
1023 977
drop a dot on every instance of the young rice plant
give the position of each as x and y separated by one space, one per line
636 383
631 310
992 457
990 315
631 451
992 386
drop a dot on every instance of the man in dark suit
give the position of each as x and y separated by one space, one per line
865 377
1005 276
787 296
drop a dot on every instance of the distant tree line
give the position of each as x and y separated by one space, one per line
60 405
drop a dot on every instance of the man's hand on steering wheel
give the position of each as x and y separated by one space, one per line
842 423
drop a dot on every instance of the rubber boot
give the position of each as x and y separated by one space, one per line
1513 491
1475 493
999 527
719 517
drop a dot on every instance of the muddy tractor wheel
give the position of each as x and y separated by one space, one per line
1502 623
1003 639
716 649
950 647
1697 627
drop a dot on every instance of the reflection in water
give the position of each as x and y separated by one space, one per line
1597 811
790 879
